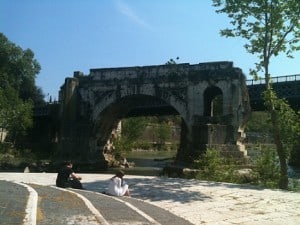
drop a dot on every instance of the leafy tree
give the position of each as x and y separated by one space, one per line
18 92
295 152
259 122
18 70
163 133
133 128
270 27
15 114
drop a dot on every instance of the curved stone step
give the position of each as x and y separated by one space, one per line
115 211
17 203
161 215
13 200
125 210
71 206
61 207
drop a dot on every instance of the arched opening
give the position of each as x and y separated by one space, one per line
213 102
163 125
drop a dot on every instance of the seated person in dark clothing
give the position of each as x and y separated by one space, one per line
67 178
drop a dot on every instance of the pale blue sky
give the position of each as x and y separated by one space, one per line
78 35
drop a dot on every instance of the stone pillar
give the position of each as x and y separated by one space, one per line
75 130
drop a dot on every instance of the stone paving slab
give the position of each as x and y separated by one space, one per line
220 203
13 201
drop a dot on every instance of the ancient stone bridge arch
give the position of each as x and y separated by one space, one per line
106 118
121 92
211 98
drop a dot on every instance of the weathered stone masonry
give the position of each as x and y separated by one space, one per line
92 105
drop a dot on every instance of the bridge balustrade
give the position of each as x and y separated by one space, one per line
287 87
286 78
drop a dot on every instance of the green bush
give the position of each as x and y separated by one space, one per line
212 166
266 168
16 159
294 184
145 145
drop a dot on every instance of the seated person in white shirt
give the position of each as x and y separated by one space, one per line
117 185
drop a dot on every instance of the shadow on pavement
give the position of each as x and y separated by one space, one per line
171 189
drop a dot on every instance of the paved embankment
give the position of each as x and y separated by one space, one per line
198 202
70 206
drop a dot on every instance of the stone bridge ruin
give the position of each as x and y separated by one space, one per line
211 98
